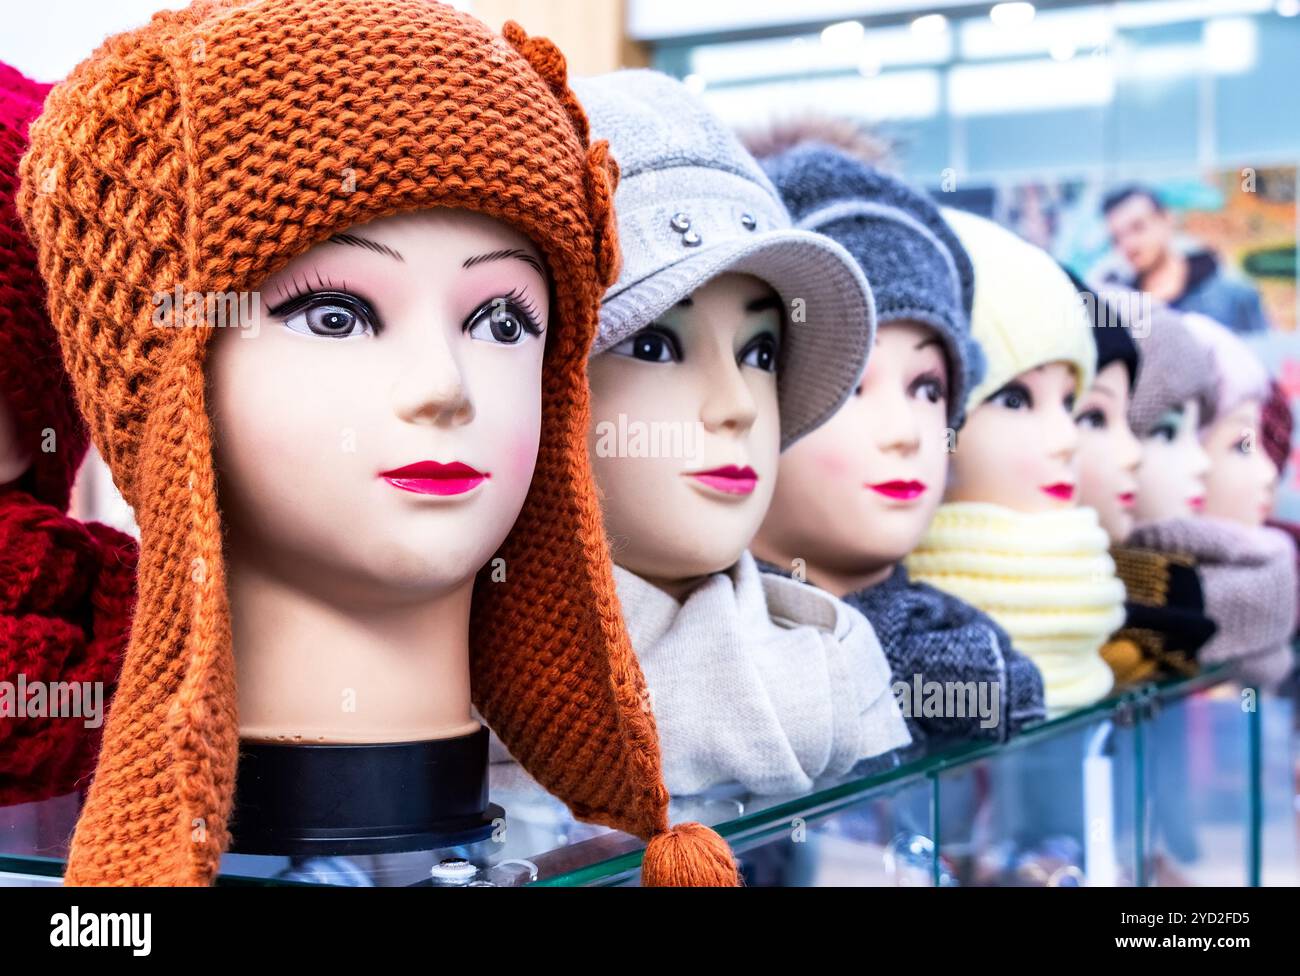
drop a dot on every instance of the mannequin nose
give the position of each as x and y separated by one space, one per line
431 388
729 404
1062 436
897 425
1130 450
1200 462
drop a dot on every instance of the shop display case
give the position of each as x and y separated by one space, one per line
1164 784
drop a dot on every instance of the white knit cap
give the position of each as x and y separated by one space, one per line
1027 312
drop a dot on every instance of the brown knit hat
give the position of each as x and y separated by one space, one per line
206 150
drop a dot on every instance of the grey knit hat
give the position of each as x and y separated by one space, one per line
1175 366
692 204
917 267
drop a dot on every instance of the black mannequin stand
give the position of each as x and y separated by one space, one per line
320 800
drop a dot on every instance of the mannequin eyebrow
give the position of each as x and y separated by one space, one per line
503 255
931 341
765 303
365 242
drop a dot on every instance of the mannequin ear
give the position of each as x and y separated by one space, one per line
602 181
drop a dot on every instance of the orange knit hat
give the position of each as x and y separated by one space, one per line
207 149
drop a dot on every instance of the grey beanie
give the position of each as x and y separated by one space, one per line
1176 367
691 205
917 267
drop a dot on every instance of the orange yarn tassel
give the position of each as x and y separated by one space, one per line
689 855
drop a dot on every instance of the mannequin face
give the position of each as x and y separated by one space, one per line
1171 475
856 495
1018 448
367 359
1242 478
706 374
1109 454
14 459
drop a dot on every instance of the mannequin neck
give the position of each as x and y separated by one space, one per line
838 582
311 670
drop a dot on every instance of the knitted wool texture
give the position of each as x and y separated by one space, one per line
1026 312
1238 373
32 379
66 589
1165 624
1249 578
1276 427
1045 577
1175 368
759 680
917 268
207 149
931 634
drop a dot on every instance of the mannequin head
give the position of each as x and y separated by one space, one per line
374 350
1241 479
1109 454
857 494
1171 474
1018 448
705 369
14 459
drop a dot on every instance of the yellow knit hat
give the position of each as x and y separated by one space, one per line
1027 312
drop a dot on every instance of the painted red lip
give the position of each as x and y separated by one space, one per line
1060 490
433 478
1197 503
1127 499
728 478
905 490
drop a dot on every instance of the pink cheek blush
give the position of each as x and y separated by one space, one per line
522 458
834 465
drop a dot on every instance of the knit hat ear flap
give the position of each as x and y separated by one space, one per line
172 731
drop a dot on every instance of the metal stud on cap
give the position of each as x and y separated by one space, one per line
747 221
681 222
692 238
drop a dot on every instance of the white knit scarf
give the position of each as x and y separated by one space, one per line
759 680
1047 578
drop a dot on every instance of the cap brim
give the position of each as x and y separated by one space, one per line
829 314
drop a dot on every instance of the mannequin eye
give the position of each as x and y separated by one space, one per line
505 320
930 386
1168 426
1165 432
760 352
653 344
329 314
1094 419
1069 403
1013 396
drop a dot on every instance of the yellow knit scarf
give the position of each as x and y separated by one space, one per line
1047 578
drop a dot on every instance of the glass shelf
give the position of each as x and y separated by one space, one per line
1159 784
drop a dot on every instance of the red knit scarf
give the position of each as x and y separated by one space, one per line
67 591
